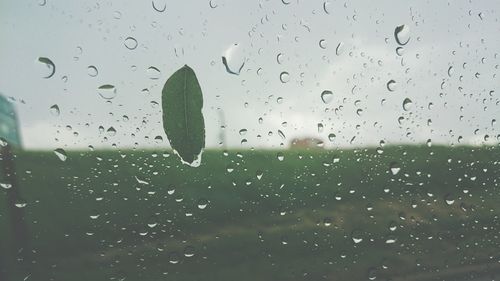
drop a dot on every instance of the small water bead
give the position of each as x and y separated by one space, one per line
407 104
391 85
130 43
202 204
189 251
280 156
331 137
153 73
284 77
92 71
61 154
322 44
279 58
212 4
159 5
327 96
395 168
402 34
49 67
340 49
400 51
107 91
54 110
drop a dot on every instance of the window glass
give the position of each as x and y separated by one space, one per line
249 140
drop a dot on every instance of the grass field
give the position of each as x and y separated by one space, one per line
315 215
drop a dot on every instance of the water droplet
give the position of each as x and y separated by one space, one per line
107 91
322 44
402 34
212 4
327 96
400 51
130 43
42 2
234 59
356 236
202 204
54 110
5 185
394 167
451 70
92 71
49 67
279 58
111 131
189 251
390 240
407 103
284 77
280 156
286 2
327 7
94 215
331 137
153 73
21 203
391 85
174 258
340 49
449 199
159 5
3 142
281 134
259 174
320 128
61 154
117 15
243 132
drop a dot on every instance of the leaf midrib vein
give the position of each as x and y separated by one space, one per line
185 103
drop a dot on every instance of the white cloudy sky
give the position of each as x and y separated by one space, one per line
461 103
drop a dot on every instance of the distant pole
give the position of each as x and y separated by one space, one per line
13 196
9 137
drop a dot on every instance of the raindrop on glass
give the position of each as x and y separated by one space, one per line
234 59
391 85
159 5
284 77
54 110
407 103
153 73
92 71
107 91
130 43
327 96
280 156
202 204
331 137
394 167
340 49
322 44
49 67
61 154
402 34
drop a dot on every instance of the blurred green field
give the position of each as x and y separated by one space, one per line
315 215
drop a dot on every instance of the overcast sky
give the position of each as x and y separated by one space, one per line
448 69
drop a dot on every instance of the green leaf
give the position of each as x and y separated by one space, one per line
183 122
